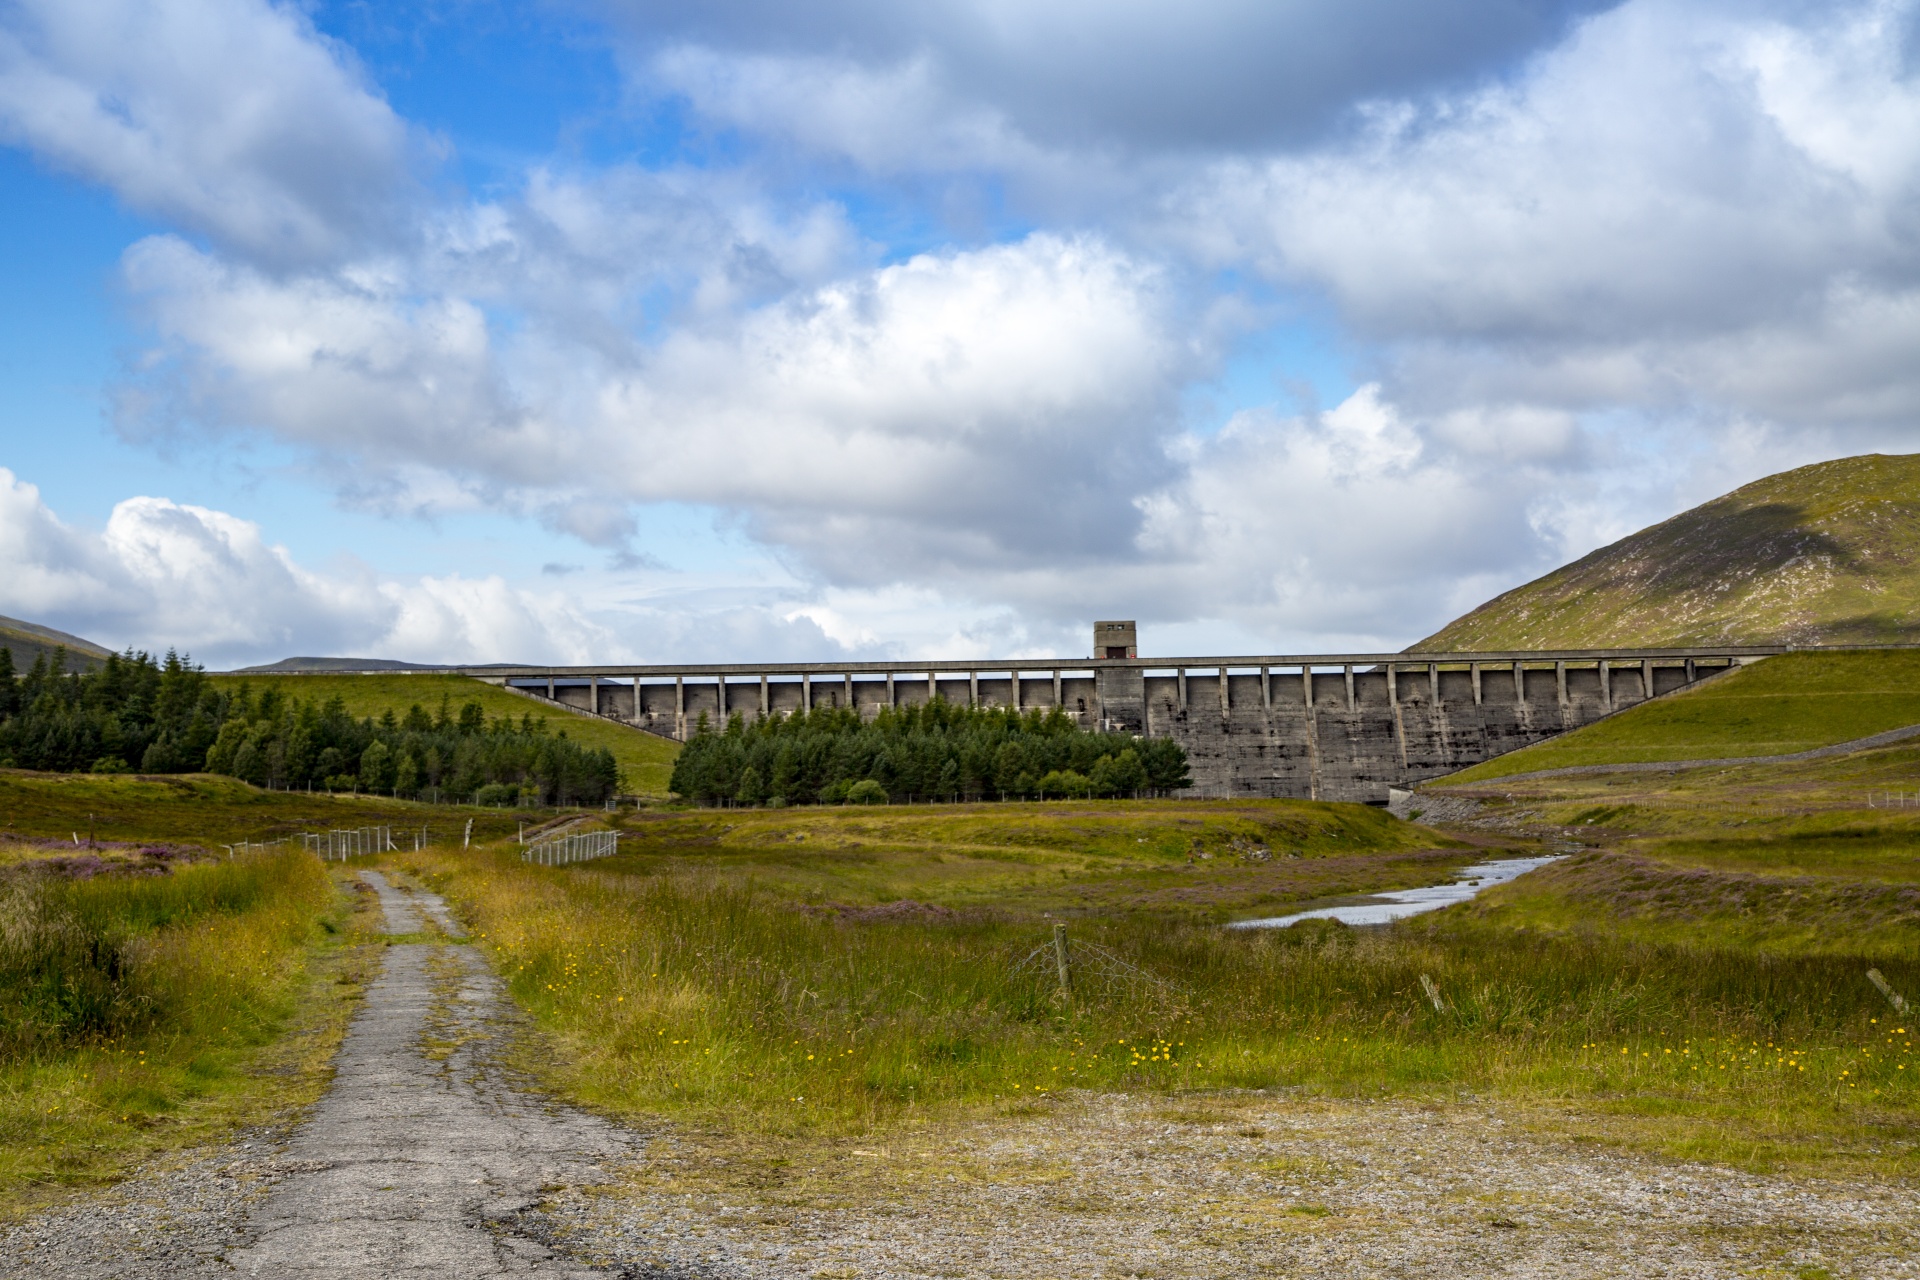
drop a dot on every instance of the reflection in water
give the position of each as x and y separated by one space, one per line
1382 908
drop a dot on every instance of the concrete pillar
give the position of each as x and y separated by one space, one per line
1266 689
636 699
1560 680
1690 675
1473 668
1433 683
846 679
1306 689
1519 682
973 688
680 707
1646 677
1180 676
1013 681
720 696
1056 688
593 694
1350 702
1606 683
766 707
1223 691
549 688
1393 688
933 685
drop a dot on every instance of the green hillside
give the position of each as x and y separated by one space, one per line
646 761
29 640
1794 702
1826 554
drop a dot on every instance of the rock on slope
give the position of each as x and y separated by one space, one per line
1824 554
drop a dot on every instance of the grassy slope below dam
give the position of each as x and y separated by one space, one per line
1790 703
646 760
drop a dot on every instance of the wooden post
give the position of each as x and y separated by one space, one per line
1060 966
1894 998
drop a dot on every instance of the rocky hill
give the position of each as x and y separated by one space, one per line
1823 554
29 640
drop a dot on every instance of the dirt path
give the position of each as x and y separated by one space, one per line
421 1160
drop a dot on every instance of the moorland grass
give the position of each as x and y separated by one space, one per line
1790 703
720 997
645 759
206 809
1202 859
145 1013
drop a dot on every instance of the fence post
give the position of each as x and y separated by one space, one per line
466 841
1894 998
1061 969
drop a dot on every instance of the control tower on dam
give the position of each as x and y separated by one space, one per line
1341 726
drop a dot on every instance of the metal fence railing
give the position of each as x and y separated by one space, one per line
350 843
562 850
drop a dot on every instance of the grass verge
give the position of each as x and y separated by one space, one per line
151 1014
1790 703
646 760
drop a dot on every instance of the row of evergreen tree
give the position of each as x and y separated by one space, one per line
133 713
937 752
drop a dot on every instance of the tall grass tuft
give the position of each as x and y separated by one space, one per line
88 961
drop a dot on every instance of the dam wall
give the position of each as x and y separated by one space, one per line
1325 727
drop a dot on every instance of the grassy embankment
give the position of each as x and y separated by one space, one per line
178 996
1791 703
646 760
704 976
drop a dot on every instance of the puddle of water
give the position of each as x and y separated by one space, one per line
1383 908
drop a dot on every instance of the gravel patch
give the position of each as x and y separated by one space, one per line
1244 1187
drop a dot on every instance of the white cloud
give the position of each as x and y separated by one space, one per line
1684 205
978 407
231 116
164 574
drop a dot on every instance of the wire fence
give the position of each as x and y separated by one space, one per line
1893 799
341 845
582 847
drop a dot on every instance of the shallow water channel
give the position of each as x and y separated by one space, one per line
1397 904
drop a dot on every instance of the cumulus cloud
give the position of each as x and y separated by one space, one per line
975 407
1215 75
232 117
1683 204
164 574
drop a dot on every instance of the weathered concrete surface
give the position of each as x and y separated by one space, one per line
421 1158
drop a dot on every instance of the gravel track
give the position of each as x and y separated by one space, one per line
422 1159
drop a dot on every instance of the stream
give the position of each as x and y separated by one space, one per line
1397 904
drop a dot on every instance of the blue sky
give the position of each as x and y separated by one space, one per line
628 330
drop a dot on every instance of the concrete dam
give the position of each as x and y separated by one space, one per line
1313 726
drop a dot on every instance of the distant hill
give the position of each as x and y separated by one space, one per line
286 665
29 640
1823 554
